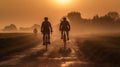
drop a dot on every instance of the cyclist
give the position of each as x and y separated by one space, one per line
35 31
46 30
64 27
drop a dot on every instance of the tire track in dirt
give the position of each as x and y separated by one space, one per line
16 57
31 57
30 52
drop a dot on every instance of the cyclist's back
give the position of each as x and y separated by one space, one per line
64 27
46 28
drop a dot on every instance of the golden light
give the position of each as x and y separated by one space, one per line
63 2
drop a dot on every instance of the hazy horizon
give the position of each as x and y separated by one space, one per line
25 13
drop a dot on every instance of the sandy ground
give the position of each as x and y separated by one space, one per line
39 57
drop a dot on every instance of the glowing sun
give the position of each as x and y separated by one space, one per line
63 2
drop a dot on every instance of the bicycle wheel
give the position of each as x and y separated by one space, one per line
46 43
64 40
46 46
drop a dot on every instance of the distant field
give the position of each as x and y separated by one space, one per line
14 42
8 35
100 49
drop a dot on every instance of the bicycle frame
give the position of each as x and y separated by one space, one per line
46 41
64 39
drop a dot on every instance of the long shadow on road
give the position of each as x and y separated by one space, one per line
84 53
34 56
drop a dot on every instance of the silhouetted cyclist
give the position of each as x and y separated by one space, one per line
46 30
64 27
35 31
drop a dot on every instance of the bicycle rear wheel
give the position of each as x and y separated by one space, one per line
46 43
46 46
64 40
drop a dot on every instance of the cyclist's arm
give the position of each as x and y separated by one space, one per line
60 26
69 26
42 27
51 27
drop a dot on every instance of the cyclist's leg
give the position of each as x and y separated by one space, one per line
64 38
61 34
67 35
64 35
43 38
48 37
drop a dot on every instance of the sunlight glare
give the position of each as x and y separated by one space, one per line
63 2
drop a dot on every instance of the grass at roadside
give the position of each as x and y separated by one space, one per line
16 42
102 49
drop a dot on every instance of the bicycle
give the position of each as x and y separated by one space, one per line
46 41
65 51
65 40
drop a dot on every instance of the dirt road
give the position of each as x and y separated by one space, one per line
97 50
38 57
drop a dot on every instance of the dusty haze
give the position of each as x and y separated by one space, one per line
25 13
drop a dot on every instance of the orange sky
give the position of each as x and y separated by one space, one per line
28 12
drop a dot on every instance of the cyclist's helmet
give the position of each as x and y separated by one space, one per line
46 18
64 18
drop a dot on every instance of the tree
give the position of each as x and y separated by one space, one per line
113 15
96 17
11 27
74 16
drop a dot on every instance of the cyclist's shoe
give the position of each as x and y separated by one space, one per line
67 38
43 43
49 43
61 37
